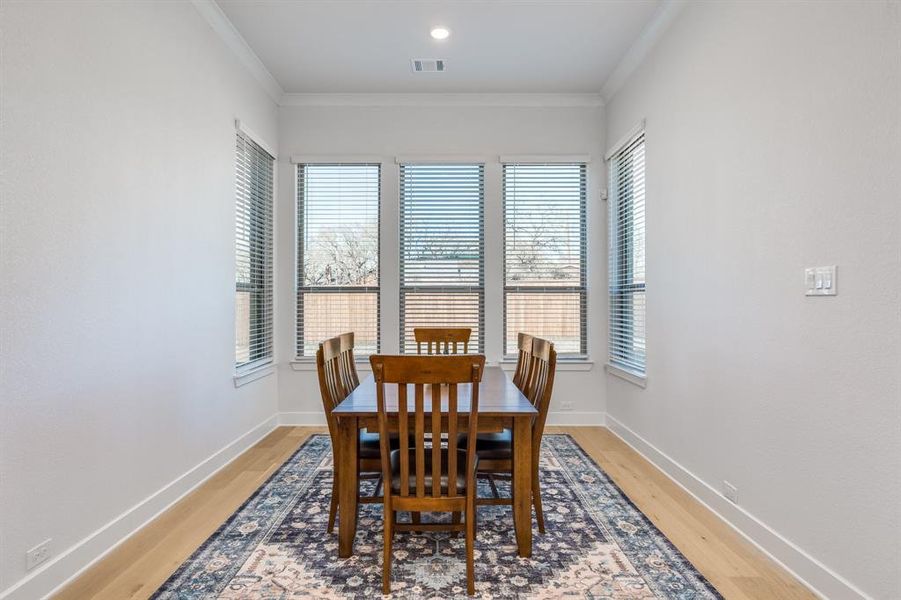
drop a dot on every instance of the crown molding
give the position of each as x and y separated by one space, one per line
443 99
642 45
224 28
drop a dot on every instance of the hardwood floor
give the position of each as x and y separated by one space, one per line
735 567
137 567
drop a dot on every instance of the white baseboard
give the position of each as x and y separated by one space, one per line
808 570
302 418
553 418
68 565
572 418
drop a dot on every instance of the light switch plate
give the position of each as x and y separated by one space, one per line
821 281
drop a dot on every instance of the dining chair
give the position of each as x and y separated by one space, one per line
524 361
337 379
495 450
445 340
435 478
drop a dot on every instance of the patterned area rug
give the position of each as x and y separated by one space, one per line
597 544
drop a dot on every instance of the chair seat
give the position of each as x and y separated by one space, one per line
369 444
491 446
461 471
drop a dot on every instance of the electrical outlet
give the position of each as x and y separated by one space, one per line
566 405
37 555
730 492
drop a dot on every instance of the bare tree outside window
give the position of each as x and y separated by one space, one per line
442 242
338 255
545 255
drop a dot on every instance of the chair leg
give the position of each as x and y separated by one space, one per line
414 518
333 506
470 545
386 559
536 497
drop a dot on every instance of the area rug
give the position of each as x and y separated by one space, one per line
597 544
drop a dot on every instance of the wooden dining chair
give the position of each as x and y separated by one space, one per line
524 361
337 379
495 450
421 478
444 340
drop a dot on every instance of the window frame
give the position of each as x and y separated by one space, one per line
581 289
300 289
403 290
621 254
256 363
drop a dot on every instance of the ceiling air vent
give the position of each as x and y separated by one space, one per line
428 65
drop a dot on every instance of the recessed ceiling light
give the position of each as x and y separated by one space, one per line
440 33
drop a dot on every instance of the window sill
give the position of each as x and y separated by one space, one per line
639 380
245 377
309 364
578 364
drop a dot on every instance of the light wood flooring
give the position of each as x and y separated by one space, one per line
139 565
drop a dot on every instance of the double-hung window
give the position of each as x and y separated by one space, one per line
338 255
545 255
253 255
627 258
442 248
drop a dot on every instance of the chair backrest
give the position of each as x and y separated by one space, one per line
435 381
444 340
337 374
524 362
541 383
349 366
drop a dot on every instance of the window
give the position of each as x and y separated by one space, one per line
253 255
627 258
337 255
545 255
442 247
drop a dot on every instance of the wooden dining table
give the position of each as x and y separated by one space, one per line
501 405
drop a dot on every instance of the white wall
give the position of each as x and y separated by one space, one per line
118 272
773 144
473 131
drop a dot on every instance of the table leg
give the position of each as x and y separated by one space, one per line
522 483
348 484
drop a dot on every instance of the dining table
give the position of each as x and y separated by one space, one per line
501 405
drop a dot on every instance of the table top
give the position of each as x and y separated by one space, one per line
497 397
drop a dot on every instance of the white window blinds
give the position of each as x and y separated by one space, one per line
442 243
338 255
545 255
253 255
627 258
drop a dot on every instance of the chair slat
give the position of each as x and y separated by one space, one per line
420 441
452 438
435 390
524 361
404 440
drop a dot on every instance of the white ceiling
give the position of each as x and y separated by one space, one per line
496 46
